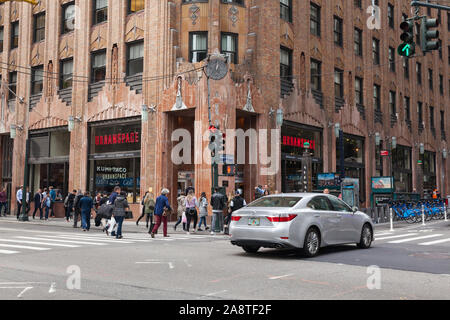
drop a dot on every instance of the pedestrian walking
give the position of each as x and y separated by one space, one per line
120 206
46 204
76 208
203 212
52 199
27 201
237 203
3 201
19 201
97 200
86 206
191 210
162 208
181 211
68 203
218 204
148 206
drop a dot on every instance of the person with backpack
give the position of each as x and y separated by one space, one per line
203 204
76 208
120 206
68 204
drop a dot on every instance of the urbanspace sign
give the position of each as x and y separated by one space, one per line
119 138
299 142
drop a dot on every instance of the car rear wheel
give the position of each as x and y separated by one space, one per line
311 244
366 237
251 249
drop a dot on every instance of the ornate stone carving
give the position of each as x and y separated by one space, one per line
194 10
50 80
233 15
179 104
249 105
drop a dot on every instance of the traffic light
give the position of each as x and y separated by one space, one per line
220 138
408 47
229 170
429 39
213 141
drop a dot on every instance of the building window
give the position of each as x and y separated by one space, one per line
359 95
135 58
316 75
198 46
432 118
241 2
66 74
230 47
419 72
358 42
338 83
286 10
1 39
406 102
420 113
392 104
39 27
100 11
391 59
14 35
12 85
357 3
430 79
442 121
315 19
376 51
376 97
338 36
391 15
37 80
441 84
401 163
406 67
98 66
68 17
135 5
285 64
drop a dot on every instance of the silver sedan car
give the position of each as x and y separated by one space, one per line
305 221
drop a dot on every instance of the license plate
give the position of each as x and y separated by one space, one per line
254 221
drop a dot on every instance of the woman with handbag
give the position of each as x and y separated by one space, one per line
191 210
119 212
148 205
203 212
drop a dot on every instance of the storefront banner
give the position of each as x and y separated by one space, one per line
330 181
298 142
382 184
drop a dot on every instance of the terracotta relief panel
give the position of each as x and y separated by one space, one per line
98 38
134 29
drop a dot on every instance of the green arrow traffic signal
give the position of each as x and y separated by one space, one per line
406 49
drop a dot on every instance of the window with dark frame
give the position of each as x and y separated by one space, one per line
441 84
391 16
391 59
442 120
358 41
376 51
316 75
432 118
419 72
68 17
392 103
338 31
198 46
357 3
430 79
66 78
229 46
15 35
286 10
376 97
406 102
135 6
285 63
359 96
98 66
135 58
338 83
12 85
37 80
315 19
39 27
100 11
420 113
406 68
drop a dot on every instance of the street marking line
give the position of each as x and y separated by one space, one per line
434 242
5 245
214 293
394 237
23 291
280 277
8 252
63 241
104 238
157 262
42 243
87 239
383 234
416 238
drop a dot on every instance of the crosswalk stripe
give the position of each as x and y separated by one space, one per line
416 238
106 238
399 236
63 241
83 238
102 236
8 252
382 234
434 242
42 243
22 247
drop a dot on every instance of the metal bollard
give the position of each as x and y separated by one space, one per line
423 215
391 219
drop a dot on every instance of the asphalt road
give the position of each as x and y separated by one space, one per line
43 261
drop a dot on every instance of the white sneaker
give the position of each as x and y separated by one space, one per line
188 233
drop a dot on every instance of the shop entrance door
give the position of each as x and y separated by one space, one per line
186 179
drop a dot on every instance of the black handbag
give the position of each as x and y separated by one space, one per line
128 215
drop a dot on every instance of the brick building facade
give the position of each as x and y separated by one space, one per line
316 60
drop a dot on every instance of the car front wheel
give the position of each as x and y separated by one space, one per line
366 237
311 244
250 249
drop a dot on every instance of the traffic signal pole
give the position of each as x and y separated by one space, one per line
429 5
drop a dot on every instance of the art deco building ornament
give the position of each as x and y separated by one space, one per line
249 105
194 9
179 104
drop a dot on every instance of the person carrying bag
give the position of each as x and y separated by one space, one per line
120 212
191 210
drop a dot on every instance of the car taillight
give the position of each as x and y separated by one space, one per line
282 218
235 218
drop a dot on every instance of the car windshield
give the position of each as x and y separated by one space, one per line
275 202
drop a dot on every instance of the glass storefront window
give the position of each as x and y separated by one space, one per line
293 139
429 170
353 150
401 163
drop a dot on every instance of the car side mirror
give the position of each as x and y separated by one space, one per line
355 209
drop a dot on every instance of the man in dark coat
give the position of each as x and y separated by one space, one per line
76 208
70 202
218 204
38 204
86 205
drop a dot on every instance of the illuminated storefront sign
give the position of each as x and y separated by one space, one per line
298 142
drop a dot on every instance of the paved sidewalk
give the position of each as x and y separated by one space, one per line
128 226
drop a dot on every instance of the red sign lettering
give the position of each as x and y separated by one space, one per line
298 142
120 138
